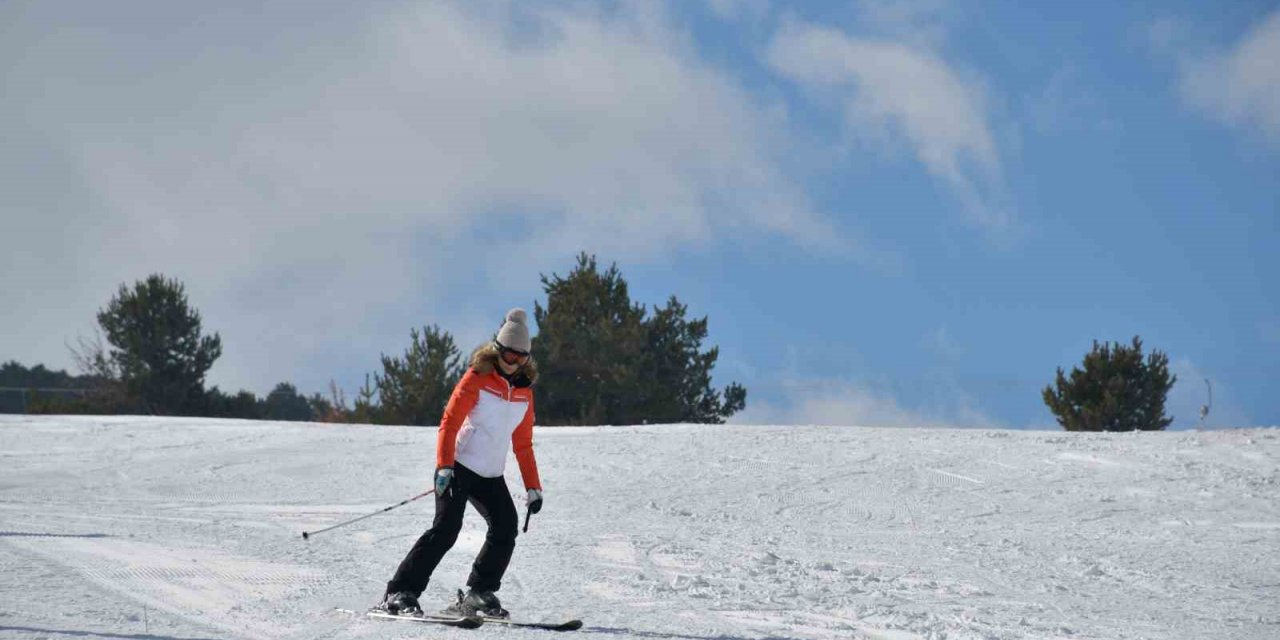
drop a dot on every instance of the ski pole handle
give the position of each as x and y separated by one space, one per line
527 513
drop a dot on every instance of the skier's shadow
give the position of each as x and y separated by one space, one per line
632 633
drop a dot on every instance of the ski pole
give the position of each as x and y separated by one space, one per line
527 513
306 535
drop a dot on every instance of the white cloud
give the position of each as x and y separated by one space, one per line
891 88
324 185
850 403
918 22
1240 85
739 9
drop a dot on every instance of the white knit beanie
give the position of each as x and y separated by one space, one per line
514 333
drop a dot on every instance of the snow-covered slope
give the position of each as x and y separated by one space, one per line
172 528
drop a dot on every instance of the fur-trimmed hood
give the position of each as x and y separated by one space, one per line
485 360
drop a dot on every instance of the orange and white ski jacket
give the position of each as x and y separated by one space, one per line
486 417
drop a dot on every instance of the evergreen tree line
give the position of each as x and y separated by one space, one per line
23 389
156 364
39 390
603 360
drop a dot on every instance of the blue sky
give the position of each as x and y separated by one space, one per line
893 213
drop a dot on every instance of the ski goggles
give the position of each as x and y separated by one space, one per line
512 356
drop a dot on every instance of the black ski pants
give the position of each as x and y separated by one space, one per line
490 497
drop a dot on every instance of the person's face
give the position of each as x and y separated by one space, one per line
511 359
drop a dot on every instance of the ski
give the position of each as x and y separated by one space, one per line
459 609
462 622
568 625
448 620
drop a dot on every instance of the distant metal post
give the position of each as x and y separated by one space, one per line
1204 409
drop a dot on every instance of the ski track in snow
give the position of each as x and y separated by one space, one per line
150 528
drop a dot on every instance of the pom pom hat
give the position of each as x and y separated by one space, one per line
514 333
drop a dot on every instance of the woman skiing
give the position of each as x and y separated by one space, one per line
489 414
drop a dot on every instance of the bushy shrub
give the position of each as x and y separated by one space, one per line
1114 390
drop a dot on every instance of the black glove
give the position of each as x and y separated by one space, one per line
535 500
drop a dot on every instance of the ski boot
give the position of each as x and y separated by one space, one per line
481 603
400 603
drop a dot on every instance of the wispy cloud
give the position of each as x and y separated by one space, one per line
1238 84
322 184
739 9
825 401
900 88
921 23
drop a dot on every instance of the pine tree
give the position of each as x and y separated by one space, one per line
243 405
602 361
590 340
321 408
157 346
1116 390
365 410
677 373
285 404
414 389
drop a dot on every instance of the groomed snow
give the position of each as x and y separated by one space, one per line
149 528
